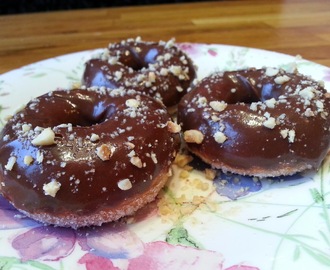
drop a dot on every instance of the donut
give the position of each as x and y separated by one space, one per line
86 156
160 70
260 122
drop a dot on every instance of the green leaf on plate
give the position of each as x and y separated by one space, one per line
9 263
296 253
318 256
317 196
180 236
324 237
38 75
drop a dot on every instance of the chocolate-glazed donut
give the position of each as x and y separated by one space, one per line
86 156
260 122
160 70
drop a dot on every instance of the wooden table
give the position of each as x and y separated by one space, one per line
288 26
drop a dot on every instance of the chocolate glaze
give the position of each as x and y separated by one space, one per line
89 185
160 70
274 122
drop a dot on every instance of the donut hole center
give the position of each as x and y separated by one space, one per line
87 116
101 112
250 91
139 62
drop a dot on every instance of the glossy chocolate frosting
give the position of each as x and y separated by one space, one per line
160 70
262 122
133 127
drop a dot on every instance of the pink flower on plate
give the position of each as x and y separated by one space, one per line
46 243
242 267
112 241
190 48
162 256
93 262
212 52
327 75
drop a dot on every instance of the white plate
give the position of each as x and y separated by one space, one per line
269 225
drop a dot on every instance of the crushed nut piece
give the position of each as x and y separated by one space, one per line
193 136
218 106
104 152
46 137
10 163
51 188
132 103
270 71
94 137
292 135
210 174
270 123
125 184
282 79
136 161
173 127
220 137
28 160
182 160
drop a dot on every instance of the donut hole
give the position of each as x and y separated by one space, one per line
268 91
138 62
82 113
249 91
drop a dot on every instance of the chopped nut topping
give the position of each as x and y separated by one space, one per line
282 79
51 188
94 137
201 102
118 75
26 127
176 70
220 137
173 127
125 184
179 89
218 106
154 157
210 174
270 123
151 77
10 163
309 112
193 136
130 145
164 71
307 93
132 103
40 157
182 160
271 71
284 133
46 137
104 152
136 161
292 135
254 106
270 103
28 160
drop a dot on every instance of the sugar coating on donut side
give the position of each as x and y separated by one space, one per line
259 122
83 157
159 69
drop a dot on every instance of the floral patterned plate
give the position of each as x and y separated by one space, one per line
230 223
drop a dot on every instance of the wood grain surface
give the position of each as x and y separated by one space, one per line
288 26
